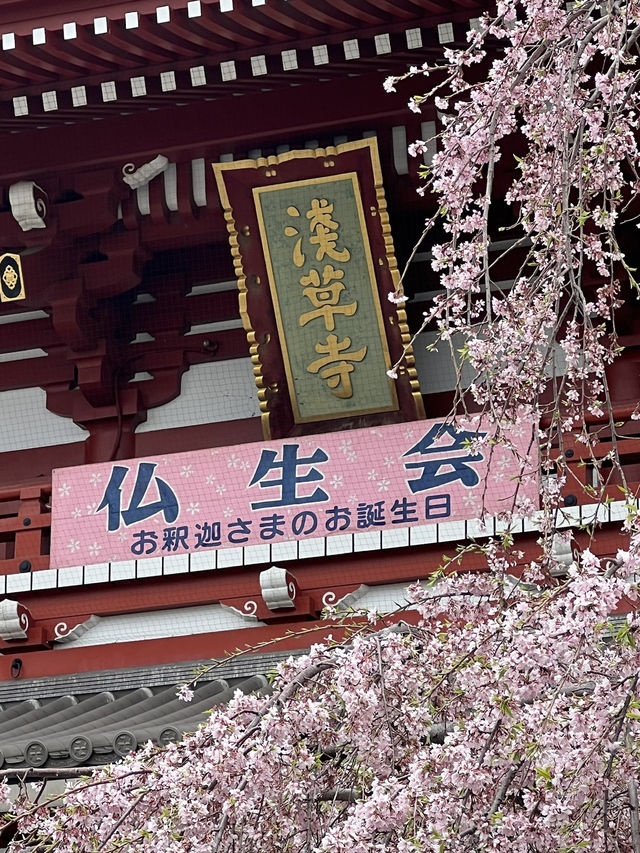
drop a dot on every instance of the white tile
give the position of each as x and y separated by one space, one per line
69 31
123 570
309 548
198 75
20 106
339 544
618 511
592 513
138 87
151 567
3 584
168 81
45 579
568 516
18 583
258 65
476 529
228 70
382 43
79 96
163 14
289 60
71 576
452 531
257 554
367 541
98 573
505 526
445 33
39 35
100 26
529 525
176 564
284 551
423 534
414 38
230 557
395 537
351 49
108 89
204 560
320 54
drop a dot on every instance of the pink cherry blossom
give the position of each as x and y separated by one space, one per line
499 712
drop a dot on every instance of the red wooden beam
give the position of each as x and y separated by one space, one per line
201 127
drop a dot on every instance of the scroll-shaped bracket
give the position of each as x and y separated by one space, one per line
137 178
28 205
278 588
14 620
63 633
247 609
349 600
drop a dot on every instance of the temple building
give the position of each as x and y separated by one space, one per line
204 209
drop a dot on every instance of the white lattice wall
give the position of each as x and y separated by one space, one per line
27 423
210 393
436 370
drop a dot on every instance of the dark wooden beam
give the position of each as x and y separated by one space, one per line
200 127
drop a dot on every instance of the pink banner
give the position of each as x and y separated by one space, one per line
321 485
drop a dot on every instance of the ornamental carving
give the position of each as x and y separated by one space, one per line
28 205
278 588
137 178
14 620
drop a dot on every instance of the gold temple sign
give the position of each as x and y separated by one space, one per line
11 281
325 297
313 255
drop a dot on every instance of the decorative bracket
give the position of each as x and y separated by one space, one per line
278 588
137 178
341 605
14 620
247 609
27 208
62 633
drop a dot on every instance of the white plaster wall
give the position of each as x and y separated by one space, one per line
210 393
179 622
436 370
27 423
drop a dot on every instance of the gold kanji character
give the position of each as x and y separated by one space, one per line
290 231
325 298
326 231
337 368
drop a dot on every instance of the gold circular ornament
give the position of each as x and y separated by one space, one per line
10 277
